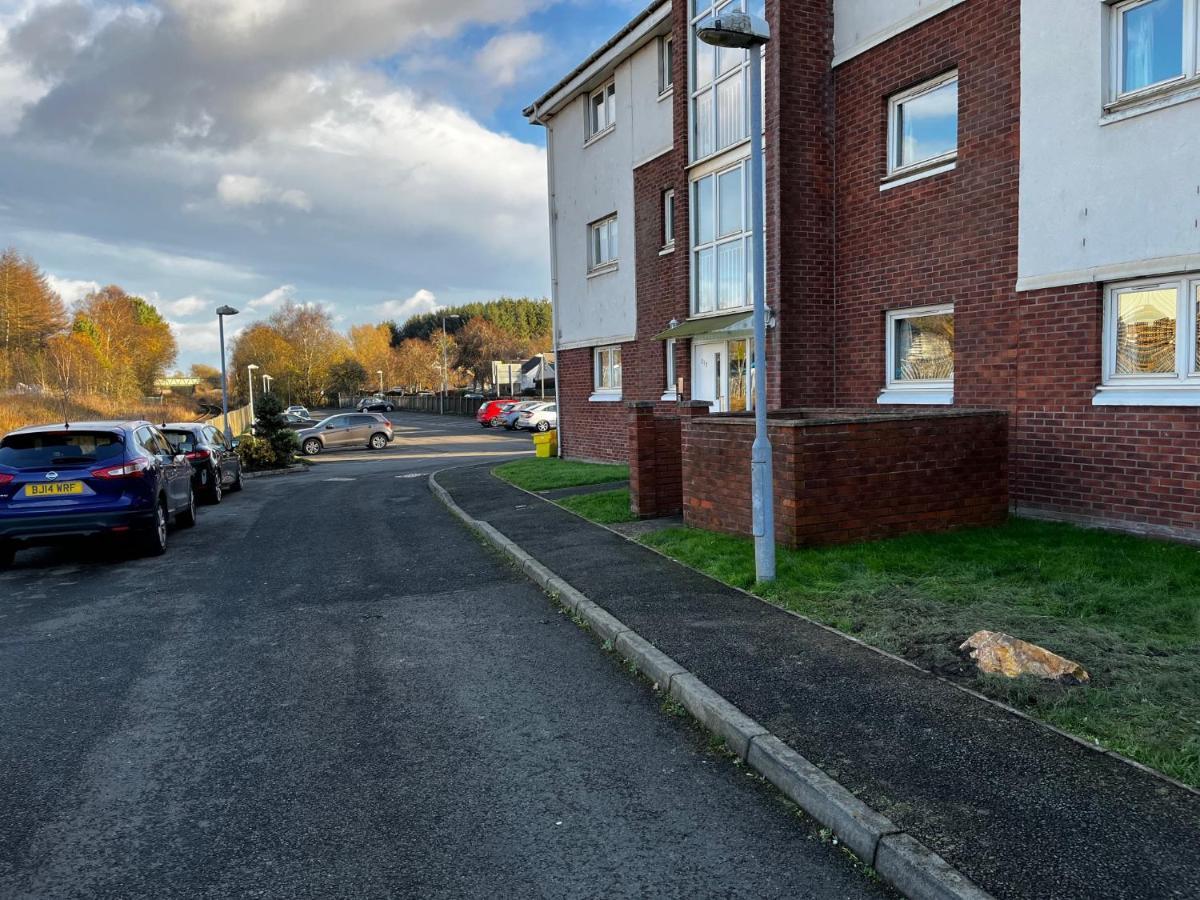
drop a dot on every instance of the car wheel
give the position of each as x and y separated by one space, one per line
7 554
154 542
388 408
237 482
378 441
186 518
543 426
312 447
216 493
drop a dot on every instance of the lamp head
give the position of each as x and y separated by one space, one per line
252 366
734 29
226 311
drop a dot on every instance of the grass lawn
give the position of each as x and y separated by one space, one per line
550 474
607 507
1128 609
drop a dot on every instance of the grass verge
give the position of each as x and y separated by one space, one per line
606 508
551 474
1127 608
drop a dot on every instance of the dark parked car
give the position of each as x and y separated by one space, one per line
215 464
375 404
297 422
91 479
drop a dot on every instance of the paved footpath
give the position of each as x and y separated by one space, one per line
1022 811
367 703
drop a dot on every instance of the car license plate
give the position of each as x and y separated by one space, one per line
55 489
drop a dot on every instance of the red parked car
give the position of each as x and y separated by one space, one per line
489 413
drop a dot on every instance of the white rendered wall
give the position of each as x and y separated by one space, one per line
859 25
1098 201
592 181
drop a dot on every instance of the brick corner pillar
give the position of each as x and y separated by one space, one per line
642 445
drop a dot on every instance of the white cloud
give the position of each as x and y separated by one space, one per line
188 306
201 338
285 293
70 289
250 190
503 59
400 311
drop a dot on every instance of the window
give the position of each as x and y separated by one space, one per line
721 240
668 229
670 392
1151 343
720 83
608 371
602 244
920 356
666 61
923 126
602 110
1154 43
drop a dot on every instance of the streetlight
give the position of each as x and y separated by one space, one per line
379 372
739 30
267 379
445 362
250 381
222 312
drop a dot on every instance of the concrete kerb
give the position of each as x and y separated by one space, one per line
898 858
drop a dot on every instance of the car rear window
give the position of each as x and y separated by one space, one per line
184 440
49 450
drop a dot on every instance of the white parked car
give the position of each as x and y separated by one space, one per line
540 417
299 411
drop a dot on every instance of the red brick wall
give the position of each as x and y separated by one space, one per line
843 479
947 238
591 430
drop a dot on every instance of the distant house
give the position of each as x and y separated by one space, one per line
537 370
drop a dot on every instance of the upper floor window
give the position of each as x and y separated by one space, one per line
720 83
721 240
923 126
920 355
601 110
602 244
668 222
666 64
1155 43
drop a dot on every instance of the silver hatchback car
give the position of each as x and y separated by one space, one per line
347 431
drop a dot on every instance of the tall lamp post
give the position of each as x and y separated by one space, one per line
445 362
379 372
222 312
250 381
741 31
267 379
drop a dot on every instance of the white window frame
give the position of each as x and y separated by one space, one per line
745 235
924 168
613 392
666 77
597 266
1189 64
593 131
701 10
672 369
668 223
927 392
1181 388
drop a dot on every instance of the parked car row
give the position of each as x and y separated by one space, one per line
530 415
124 480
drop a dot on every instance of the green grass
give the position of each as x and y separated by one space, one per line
550 474
607 508
1128 609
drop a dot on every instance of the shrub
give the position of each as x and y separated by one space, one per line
255 453
269 426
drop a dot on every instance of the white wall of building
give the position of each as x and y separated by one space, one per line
859 25
1098 201
590 181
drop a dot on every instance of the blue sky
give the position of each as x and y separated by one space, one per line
251 152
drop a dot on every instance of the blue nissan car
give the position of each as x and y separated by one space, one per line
91 479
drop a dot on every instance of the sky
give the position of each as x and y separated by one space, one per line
366 155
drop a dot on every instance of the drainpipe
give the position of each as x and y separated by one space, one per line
537 119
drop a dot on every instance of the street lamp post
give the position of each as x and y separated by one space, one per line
267 379
222 312
250 382
740 30
380 374
445 363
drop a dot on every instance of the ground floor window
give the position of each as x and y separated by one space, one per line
1152 342
920 355
671 391
608 373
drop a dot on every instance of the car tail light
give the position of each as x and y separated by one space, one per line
197 454
6 479
135 468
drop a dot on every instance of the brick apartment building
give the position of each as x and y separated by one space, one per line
970 203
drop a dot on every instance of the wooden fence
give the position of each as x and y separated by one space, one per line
240 421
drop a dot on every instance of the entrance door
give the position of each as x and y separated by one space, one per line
708 380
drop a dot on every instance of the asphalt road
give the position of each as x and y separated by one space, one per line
330 689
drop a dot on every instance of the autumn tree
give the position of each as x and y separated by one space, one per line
30 313
417 365
347 377
479 343
315 347
264 346
371 346
133 342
